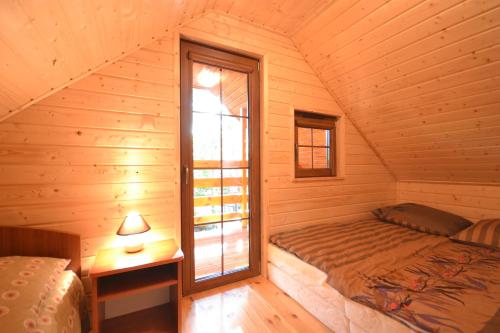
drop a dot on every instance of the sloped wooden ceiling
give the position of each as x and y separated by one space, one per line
46 45
285 16
420 79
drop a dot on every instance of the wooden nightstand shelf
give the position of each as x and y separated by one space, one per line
116 274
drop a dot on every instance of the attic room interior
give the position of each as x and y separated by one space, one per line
250 166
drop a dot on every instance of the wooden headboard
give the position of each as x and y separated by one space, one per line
41 243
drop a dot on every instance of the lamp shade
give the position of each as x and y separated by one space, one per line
133 224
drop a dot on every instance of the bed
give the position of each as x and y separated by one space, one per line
372 276
40 288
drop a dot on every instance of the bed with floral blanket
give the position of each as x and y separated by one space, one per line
37 295
429 283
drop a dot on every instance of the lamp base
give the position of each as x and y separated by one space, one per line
133 248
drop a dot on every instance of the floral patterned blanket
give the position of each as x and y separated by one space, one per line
427 282
38 296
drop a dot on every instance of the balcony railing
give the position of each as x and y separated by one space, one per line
219 200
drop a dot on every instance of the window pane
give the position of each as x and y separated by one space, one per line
304 136
236 249
207 250
235 142
234 93
206 89
321 137
207 196
206 140
320 158
235 194
305 158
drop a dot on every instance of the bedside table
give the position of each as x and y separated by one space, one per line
116 274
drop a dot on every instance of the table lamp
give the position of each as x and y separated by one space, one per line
133 224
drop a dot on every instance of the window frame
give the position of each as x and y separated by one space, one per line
193 52
305 119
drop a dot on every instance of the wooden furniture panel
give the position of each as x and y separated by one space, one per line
42 243
117 274
159 319
128 283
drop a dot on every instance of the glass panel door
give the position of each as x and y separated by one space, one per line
218 153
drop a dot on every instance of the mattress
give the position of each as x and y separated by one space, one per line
307 285
424 282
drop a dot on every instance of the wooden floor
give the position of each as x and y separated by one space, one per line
236 253
253 305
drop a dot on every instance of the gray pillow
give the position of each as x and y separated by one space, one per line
483 233
422 218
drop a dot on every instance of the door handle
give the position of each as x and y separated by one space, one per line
186 174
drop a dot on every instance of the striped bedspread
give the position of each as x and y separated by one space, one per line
428 282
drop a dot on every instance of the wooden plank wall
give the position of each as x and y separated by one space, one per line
79 160
474 202
420 79
291 83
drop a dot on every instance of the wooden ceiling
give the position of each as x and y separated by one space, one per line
46 45
285 16
419 78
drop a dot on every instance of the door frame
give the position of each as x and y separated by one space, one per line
189 52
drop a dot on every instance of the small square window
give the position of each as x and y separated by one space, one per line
314 145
